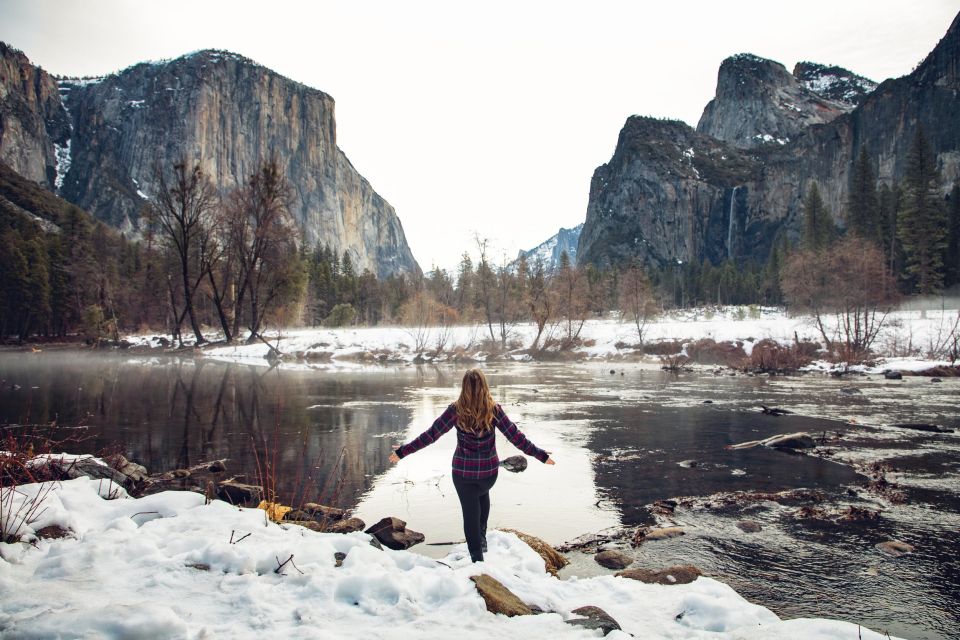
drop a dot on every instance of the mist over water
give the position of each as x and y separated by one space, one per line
621 442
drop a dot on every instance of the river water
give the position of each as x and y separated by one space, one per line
623 436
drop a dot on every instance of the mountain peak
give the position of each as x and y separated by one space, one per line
833 83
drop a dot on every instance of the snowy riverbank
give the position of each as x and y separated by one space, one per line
909 340
170 566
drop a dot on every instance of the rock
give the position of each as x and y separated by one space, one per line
298 515
749 526
612 559
892 375
54 532
217 466
238 492
498 598
180 473
116 119
313 525
850 391
645 534
895 548
935 380
921 426
338 558
515 464
552 559
680 574
331 513
135 472
393 533
664 507
348 525
774 411
596 618
199 566
90 468
375 543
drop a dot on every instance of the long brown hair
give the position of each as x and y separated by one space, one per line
475 404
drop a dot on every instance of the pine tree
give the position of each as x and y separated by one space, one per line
818 228
952 259
862 208
921 226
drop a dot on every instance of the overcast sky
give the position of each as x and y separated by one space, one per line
486 117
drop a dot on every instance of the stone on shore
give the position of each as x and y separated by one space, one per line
498 598
393 533
644 534
612 559
680 574
595 618
347 525
895 548
553 560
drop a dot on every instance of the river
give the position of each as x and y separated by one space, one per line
623 436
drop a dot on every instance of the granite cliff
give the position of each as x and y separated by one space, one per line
671 193
215 107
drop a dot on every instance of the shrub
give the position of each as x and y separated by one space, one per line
341 315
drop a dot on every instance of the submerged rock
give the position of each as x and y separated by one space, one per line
749 526
594 618
514 464
498 598
552 558
895 548
644 534
922 426
393 533
612 559
680 574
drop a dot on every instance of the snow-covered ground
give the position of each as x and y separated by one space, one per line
907 341
169 566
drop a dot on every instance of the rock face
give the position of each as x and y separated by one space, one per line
217 108
834 83
33 124
671 194
759 102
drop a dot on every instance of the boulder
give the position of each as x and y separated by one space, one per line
749 526
217 466
393 533
135 472
238 492
515 464
91 468
680 574
348 525
612 559
498 598
552 558
595 618
644 534
892 375
895 548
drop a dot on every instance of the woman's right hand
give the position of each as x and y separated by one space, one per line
550 460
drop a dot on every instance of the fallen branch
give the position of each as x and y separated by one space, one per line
281 565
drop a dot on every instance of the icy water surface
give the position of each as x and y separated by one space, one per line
621 441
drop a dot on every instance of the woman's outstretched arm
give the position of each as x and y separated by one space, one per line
440 426
516 437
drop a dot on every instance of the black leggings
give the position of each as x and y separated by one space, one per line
475 503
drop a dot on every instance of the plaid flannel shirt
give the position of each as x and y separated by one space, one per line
475 456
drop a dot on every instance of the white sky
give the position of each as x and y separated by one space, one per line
488 117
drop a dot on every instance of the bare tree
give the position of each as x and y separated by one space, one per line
263 239
849 281
570 284
636 298
541 300
182 209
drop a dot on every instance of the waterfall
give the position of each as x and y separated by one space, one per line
733 200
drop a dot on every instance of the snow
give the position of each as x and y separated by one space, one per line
62 153
908 341
170 566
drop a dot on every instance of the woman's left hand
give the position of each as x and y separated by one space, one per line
550 460
394 458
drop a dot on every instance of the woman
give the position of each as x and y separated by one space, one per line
475 461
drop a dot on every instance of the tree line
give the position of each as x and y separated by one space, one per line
233 264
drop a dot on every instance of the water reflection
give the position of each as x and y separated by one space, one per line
620 441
